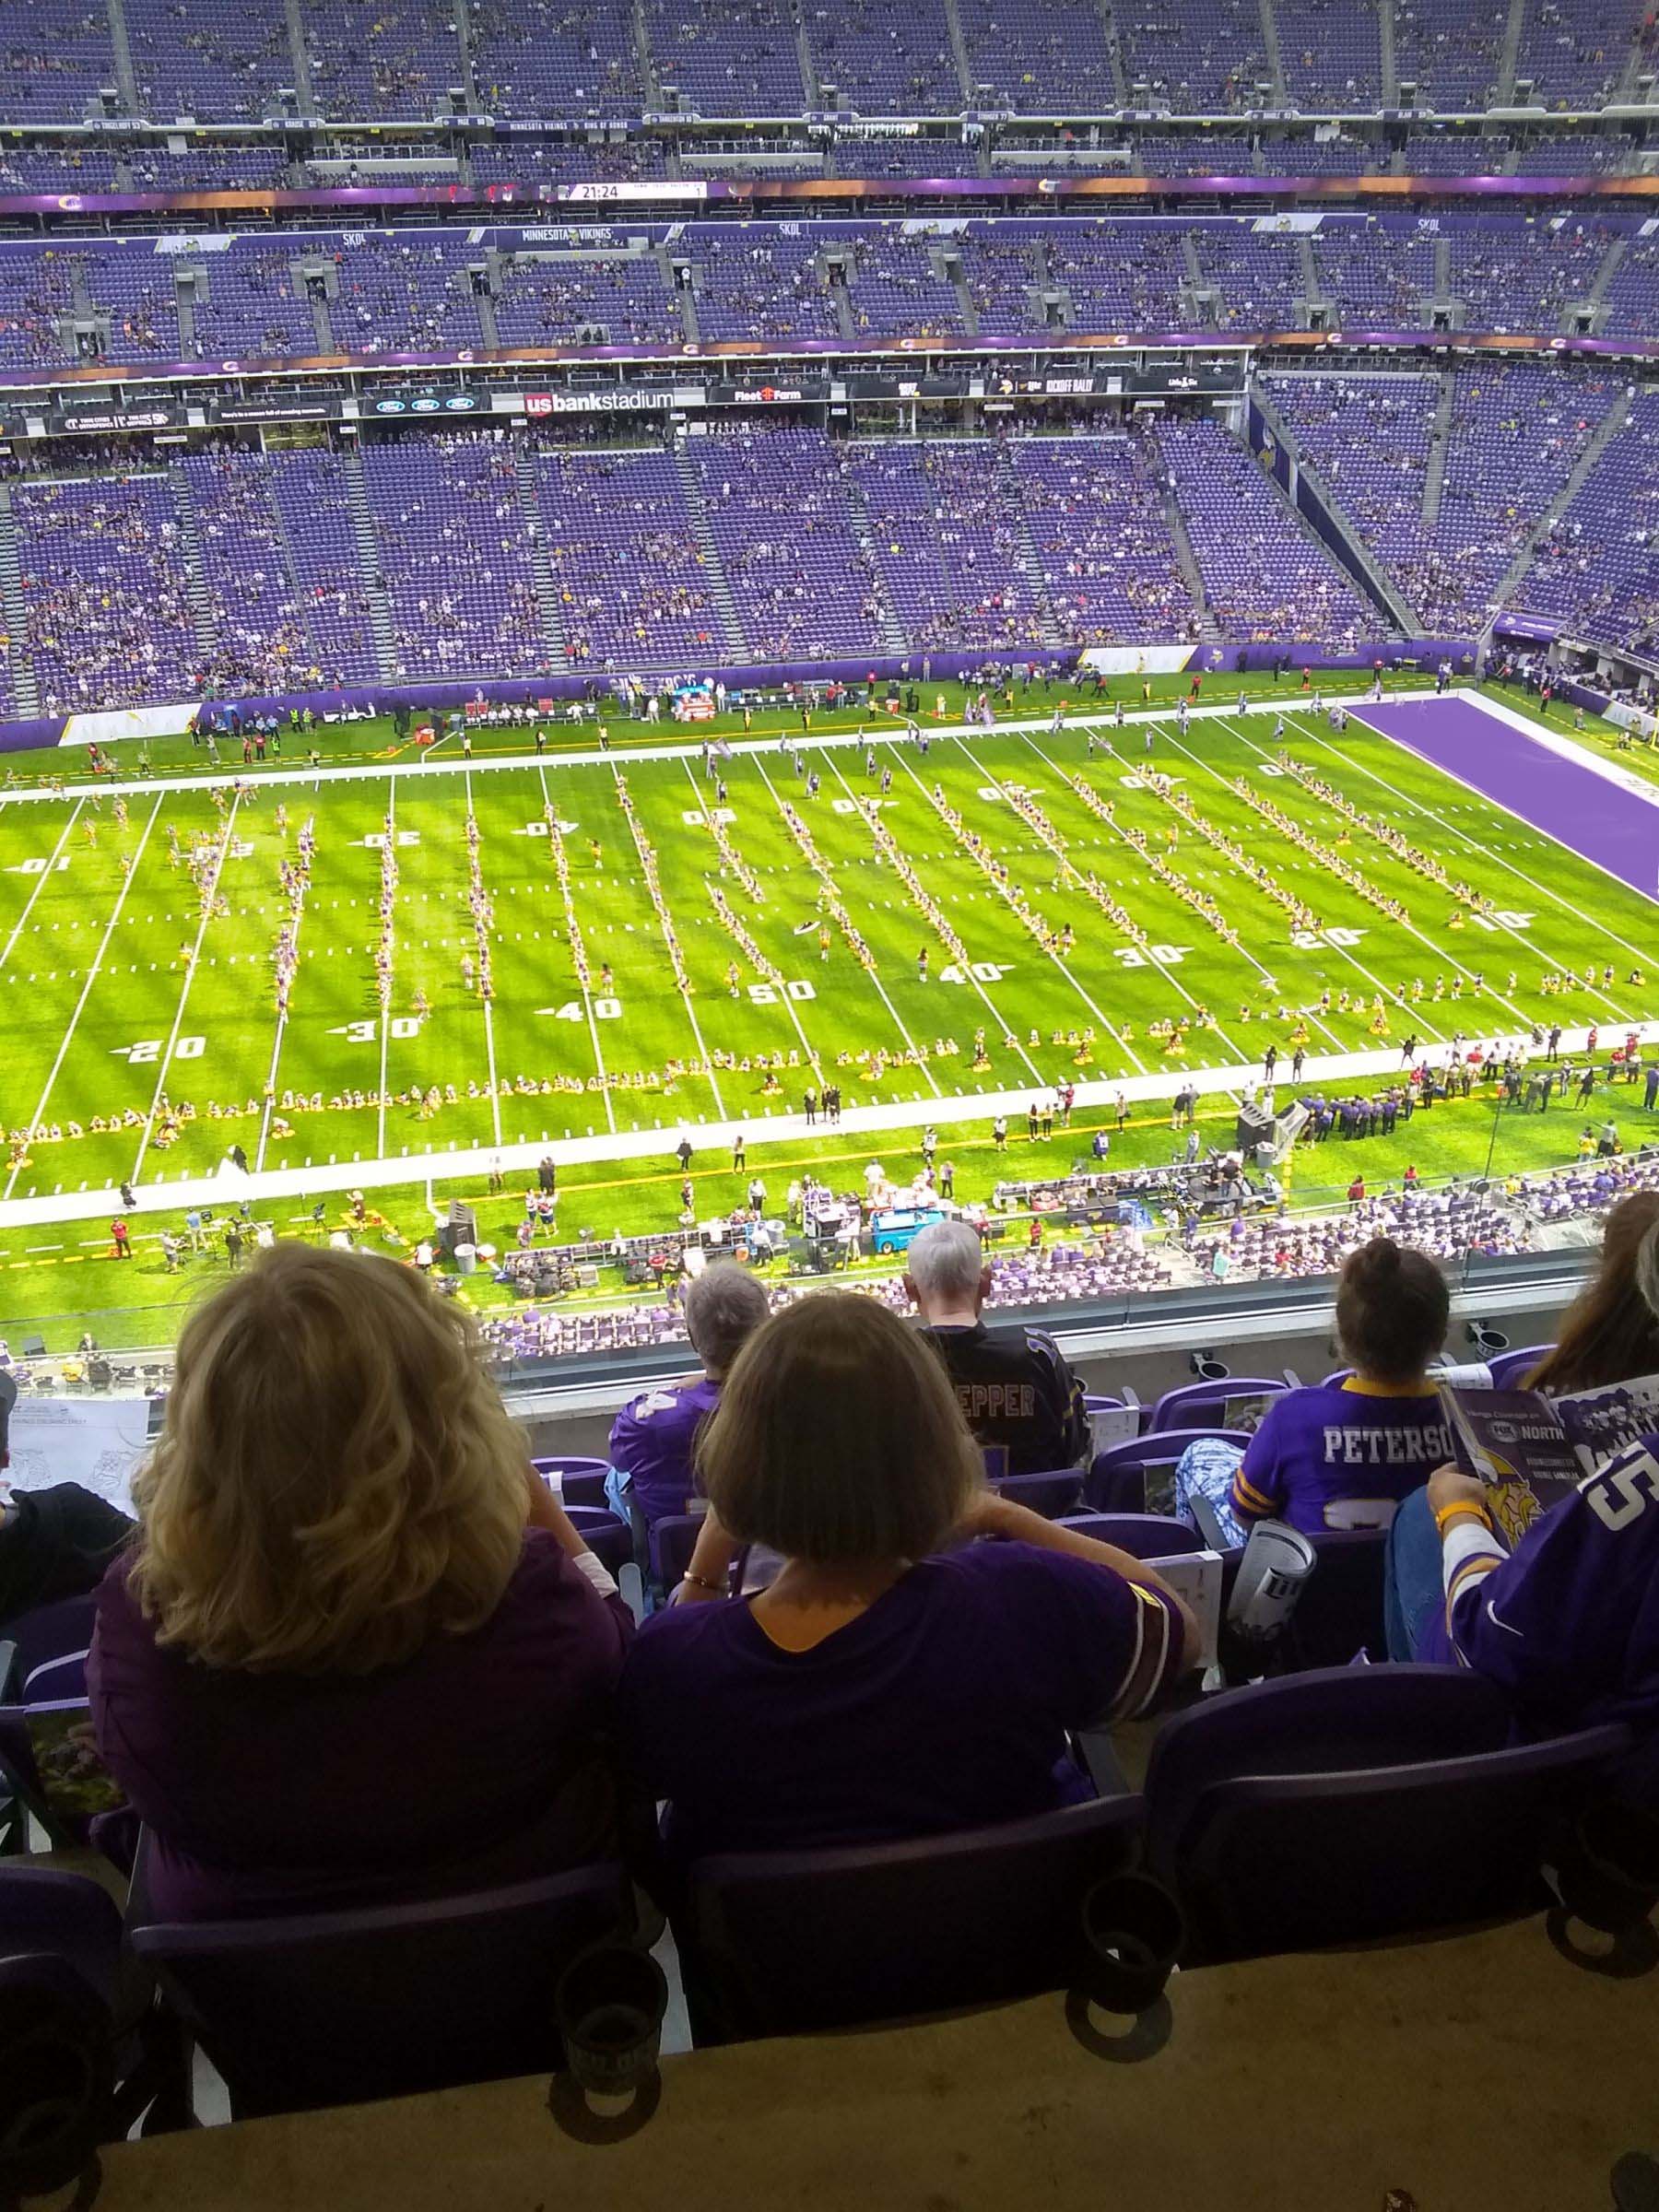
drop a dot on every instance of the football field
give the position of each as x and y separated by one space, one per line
659 956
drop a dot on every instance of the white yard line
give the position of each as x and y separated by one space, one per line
126 884
270 1085
495 1103
225 832
807 1044
587 1000
916 1059
1036 1073
40 882
683 996
389 825
1490 858
891 733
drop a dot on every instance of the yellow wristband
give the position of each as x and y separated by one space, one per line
1449 1513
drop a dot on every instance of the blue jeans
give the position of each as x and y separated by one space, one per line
1413 1598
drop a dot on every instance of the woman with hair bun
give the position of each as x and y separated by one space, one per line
357 1655
1344 1455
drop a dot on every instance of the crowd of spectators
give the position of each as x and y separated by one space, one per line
1199 57
105 595
557 58
777 509
262 643
211 58
1596 568
545 60
948 541
294 1603
1094 515
594 300
628 570
779 542
455 552
1000 278
729 57
1262 577
1515 430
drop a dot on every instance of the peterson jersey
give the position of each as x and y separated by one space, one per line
1341 1455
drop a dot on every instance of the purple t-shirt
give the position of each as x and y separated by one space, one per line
483 1759
944 1706
652 1440
1568 1625
1340 1457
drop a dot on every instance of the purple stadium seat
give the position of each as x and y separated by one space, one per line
56 2090
607 1538
1051 1494
1354 1804
1145 1535
581 1481
1339 1612
341 2007
672 1540
75 1918
42 1661
794 1942
48 1636
1509 1369
46 1912
1116 1481
1197 1405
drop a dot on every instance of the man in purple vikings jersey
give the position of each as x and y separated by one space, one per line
1567 1625
653 1438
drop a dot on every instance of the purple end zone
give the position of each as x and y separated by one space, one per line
1586 812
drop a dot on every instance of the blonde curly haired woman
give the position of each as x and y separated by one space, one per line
357 1655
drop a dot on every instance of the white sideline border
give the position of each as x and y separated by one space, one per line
882 732
229 1185
1552 741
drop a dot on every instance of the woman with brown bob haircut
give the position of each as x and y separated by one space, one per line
899 1677
359 1654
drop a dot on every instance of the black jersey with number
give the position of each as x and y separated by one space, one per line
1015 1392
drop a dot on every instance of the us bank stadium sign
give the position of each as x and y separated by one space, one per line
613 399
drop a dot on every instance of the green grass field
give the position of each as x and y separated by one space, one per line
105 1020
